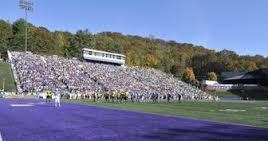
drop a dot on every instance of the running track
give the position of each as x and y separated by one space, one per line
74 122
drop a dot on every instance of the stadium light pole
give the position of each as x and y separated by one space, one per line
27 6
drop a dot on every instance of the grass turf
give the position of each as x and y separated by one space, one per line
7 75
254 113
224 94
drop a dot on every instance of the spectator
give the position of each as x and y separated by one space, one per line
37 73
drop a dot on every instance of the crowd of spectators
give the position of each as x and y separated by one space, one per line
40 73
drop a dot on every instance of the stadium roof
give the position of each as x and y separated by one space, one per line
259 76
241 76
226 75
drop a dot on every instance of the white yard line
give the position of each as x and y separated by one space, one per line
27 104
1 139
20 105
232 110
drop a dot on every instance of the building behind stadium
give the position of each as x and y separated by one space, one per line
253 84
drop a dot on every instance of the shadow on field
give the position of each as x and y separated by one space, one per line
260 93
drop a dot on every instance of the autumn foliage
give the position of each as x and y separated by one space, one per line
183 60
188 75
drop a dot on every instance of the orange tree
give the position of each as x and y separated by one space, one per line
188 76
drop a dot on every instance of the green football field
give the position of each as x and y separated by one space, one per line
6 77
253 113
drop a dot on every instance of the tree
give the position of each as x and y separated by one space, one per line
249 65
62 42
106 43
5 36
188 76
174 70
18 39
180 62
168 56
151 60
227 54
212 76
84 39
42 41
166 61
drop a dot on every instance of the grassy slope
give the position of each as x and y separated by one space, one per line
6 73
256 114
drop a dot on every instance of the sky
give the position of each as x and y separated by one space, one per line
237 25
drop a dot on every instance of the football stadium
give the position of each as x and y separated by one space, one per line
58 85
103 101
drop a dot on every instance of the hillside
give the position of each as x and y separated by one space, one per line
168 56
7 78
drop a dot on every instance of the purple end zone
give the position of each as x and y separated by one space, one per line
74 122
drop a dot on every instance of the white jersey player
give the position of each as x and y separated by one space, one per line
57 98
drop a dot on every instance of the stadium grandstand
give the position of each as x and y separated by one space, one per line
75 78
253 84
